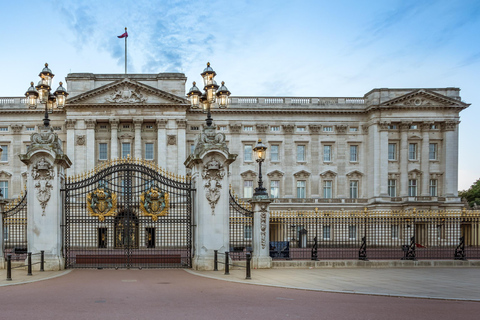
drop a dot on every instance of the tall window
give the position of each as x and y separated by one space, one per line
274 152
433 151
392 188
352 232
301 186
247 188
192 148
126 150
412 151
433 187
354 189
148 151
327 153
247 152
327 189
4 154
102 151
354 153
300 153
4 188
392 151
327 129
412 187
275 189
326 233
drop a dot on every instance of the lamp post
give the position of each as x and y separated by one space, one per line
42 94
212 95
260 152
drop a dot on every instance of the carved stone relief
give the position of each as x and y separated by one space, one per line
263 225
181 123
288 128
16 128
70 123
80 140
417 102
341 128
126 95
90 123
172 139
315 128
235 128
262 128
213 173
44 192
43 172
161 123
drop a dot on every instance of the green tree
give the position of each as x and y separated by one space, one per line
472 195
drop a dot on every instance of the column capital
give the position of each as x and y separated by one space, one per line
426 125
405 125
90 123
161 123
114 123
137 122
384 125
70 123
181 123
450 125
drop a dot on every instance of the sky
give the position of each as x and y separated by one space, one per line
259 48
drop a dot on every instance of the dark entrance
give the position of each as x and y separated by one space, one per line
126 214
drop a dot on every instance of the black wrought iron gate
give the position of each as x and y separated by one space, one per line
128 214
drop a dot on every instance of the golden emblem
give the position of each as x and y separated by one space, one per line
101 203
154 203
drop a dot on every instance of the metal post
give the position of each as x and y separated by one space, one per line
227 267
29 272
9 267
249 258
215 260
42 260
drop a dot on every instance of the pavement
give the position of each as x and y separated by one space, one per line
459 283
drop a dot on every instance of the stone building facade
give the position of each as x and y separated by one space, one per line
390 149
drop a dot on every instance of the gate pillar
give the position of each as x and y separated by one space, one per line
261 233
46 166
209 165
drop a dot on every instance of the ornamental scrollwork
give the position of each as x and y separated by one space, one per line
44 192
43 170
101 203
213 173
263 228
126 95
154 203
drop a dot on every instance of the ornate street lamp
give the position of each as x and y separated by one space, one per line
41 93
213 95
260 153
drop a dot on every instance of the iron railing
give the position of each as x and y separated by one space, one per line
241 228
15 228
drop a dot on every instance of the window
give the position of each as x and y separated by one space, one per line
392 188
4 129
274 153
394 231
222 128
148 151
30 128
392 127
433 151
301 185
125 150
327 129
247 188
412 151
326 232
300 153
102 151
327 189
247 232
4 188
352 232
4 154
194 128
353 153
247 152
413 127
354 189
353 129
274 189
126 126
248 128
433 187
275 128
301 129
103 126
433 127
192 148
327 153
149 126
412 187
392 151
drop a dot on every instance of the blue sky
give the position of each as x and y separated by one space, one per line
267 48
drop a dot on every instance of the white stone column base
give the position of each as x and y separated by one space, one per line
3 264
204 263
51 263
261 262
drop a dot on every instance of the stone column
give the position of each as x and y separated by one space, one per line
404 159
289 161
181 145
114 138
70 124
383 170
343 157
46 166
261 232
424 160
3 202
90 161
209 165
162 143
138 139
451 158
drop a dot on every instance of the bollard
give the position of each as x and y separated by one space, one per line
249 259
227 267
215 261
9 267
29 272
42 260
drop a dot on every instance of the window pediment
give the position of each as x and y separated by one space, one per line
329 174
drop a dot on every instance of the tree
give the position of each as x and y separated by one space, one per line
472 195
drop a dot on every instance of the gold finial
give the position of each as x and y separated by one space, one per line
414 210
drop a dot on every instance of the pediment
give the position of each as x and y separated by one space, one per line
275 174
302 174
248 174
5 174
354 174
424 98
126 92
328 174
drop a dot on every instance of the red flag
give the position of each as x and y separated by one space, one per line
125 35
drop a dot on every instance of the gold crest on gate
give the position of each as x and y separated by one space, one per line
101 203
154 203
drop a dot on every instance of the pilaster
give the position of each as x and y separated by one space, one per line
181 145
424 159
138 138
114 138
404 159
90 143
162 143
70 126
261 230
451 158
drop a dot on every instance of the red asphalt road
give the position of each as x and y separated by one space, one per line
176 294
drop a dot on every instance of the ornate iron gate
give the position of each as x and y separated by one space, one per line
15 228
128 213
241 228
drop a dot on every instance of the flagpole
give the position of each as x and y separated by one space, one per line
126 51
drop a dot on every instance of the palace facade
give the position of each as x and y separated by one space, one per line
390 149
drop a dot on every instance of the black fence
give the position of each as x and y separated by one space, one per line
241 228
364 235
15 228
